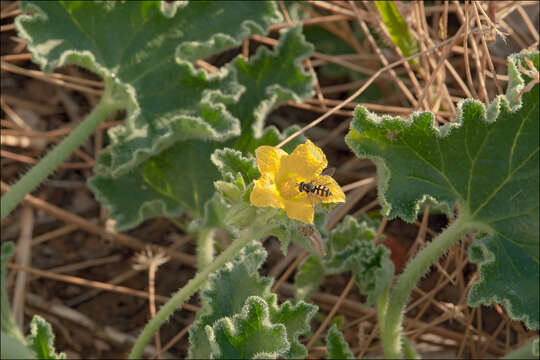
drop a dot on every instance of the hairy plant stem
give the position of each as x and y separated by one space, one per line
256 231
205 247
391 330
408 350
382 306
62 151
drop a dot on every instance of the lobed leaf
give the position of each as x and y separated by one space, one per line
228 291
350 248
41 339
143 50
234 293
267 80
336 346
486 161
296 319
248 335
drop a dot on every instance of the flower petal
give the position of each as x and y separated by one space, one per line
307 161
330 183
268 158
299 210
264 193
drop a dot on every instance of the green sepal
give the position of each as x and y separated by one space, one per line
41 339
249 334
336 346
231 162
486 161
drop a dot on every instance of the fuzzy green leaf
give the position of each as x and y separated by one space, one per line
231 162
143 51
131 200
351 247
296 319
41 339
226 299
228 291
264 82
487 162
249 334
336 346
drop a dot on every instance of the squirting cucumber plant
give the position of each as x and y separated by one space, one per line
195 143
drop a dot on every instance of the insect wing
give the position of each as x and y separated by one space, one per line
329 171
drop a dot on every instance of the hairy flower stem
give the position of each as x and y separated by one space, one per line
175 302
50 162
391 330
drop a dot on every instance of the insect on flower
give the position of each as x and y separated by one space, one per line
314 189
294 182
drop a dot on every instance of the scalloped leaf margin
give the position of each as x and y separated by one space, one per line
489 166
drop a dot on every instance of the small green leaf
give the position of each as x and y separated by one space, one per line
231 162
487 162
41 339
397 27
248 335
296 319
228 291
351 247
308 278
336 346
271 78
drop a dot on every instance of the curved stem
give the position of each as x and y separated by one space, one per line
62 151
391 332
176 301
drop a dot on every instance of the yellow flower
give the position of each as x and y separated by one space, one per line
282 174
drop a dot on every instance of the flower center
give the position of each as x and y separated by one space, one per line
288 187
